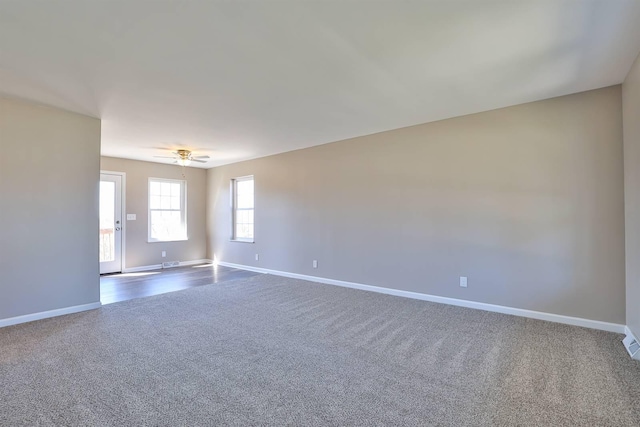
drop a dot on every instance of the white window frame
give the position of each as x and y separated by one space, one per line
234 209
182 210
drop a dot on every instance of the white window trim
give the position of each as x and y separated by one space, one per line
183 204
233 203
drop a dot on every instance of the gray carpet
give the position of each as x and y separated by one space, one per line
275 351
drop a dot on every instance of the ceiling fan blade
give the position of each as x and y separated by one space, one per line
165 157
199 161
200 157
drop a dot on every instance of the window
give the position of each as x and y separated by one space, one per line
242 206
167 210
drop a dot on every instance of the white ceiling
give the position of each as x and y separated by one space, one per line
245 79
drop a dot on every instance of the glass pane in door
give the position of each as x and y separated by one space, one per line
107 220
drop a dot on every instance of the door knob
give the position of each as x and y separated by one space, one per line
117 228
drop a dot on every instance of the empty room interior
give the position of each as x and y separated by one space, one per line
321 212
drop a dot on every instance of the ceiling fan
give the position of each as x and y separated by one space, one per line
185 157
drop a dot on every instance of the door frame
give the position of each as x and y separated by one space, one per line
123 214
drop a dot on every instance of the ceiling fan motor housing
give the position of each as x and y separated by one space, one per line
184 154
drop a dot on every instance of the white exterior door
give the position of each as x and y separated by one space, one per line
110 223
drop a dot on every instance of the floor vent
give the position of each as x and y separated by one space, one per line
170 264
632 345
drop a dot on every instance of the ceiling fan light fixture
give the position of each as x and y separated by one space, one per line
184 161
184 157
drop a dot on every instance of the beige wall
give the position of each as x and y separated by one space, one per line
526 201
48 208
138 251
631 121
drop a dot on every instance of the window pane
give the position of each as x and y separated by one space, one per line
243 204
107 203
241 217
246 185
165 203
154 202
175 202
244 231
166 225
245 201
154 188
107 221
244 194
167 210
244 224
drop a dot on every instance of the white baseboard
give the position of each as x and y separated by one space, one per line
159 266
557 318
142 268
46 314
195 262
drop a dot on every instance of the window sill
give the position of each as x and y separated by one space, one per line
166 241
242 241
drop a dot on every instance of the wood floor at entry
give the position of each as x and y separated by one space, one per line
122 287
